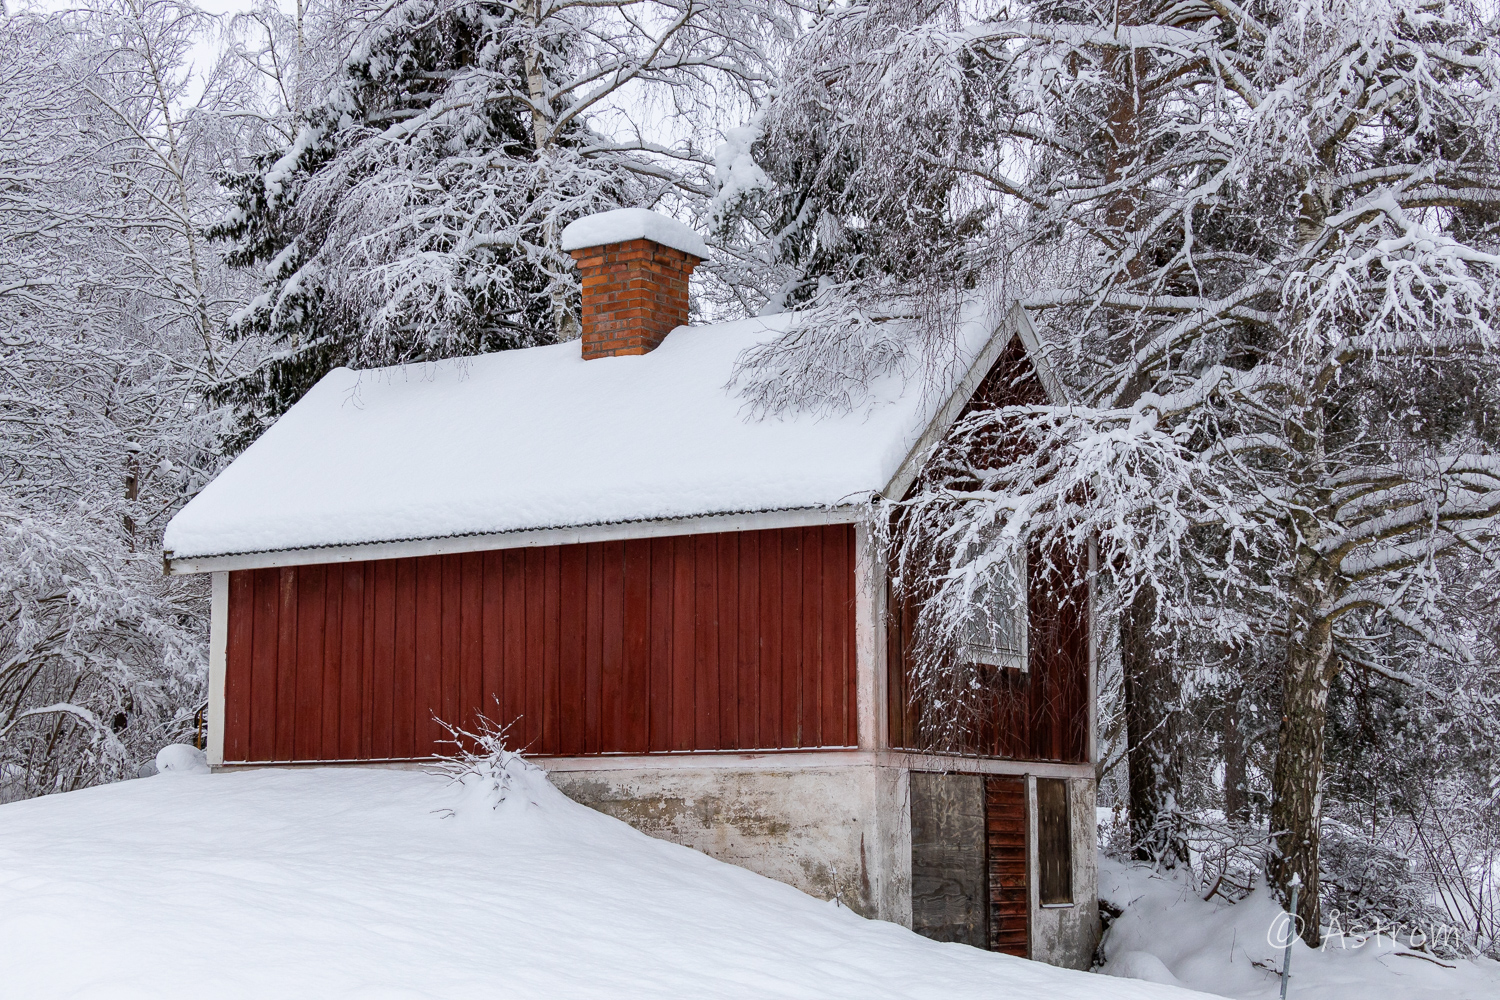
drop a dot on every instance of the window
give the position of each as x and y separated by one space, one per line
996 630
1054 837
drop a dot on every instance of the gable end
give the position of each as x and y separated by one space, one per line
979 385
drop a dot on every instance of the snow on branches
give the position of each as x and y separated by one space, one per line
417 213
101 662
109 313
1259 244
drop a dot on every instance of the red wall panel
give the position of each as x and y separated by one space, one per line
1043 713
734 641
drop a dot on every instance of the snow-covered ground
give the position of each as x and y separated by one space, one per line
377 883
351 883
1167 934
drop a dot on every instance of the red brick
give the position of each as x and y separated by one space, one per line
633 293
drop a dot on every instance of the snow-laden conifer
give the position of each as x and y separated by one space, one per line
416 213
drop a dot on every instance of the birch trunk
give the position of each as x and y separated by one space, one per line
543 123
176 168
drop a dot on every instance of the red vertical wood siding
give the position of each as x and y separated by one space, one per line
1043 713
1005 849
734 641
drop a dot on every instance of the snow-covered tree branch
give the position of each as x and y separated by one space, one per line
1259 245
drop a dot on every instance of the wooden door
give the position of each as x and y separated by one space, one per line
948 878
1005 840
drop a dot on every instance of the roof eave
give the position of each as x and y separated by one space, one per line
697 524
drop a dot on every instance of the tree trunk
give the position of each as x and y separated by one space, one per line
1236 792
1150 680
1153 754
132 490
176 167
565 325
1297 792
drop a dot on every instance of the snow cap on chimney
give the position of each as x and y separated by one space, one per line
626 224
635 265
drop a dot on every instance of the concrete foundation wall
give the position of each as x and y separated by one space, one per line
837 833
1068 935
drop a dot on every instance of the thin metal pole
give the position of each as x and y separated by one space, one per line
1286 959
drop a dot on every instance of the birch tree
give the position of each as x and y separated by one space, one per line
109 313
146 130
1259 242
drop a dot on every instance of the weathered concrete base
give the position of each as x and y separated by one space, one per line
1068 935
841 831
835 833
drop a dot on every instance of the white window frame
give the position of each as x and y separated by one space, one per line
982 644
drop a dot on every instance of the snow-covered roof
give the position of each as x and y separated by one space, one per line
539 438
625 224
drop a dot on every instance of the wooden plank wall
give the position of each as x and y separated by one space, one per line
732 641
1054 841
1009 893
1040 714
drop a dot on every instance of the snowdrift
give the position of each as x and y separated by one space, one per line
342 882
1167 934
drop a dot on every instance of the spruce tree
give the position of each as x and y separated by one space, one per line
417 213
408 220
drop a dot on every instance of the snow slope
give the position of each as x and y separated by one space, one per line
1167 934
350 883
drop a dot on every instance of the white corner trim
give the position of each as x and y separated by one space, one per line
218 653
1033 870
1093 640
869 640
706 524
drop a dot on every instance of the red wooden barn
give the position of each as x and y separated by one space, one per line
676 606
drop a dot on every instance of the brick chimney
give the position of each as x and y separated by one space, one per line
635 267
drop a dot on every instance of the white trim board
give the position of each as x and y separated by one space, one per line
1037 352
1033 869
937 428
769 760
218 648
1015 324
706 524
870 638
